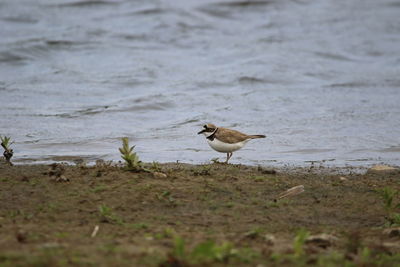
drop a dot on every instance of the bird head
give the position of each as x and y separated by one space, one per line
208 129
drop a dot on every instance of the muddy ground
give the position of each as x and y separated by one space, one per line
196 215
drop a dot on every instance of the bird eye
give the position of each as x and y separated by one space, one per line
205 126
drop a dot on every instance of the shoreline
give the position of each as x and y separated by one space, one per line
313 167
195 215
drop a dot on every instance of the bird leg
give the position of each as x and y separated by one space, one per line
228 156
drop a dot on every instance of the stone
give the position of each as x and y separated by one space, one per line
61 179
393 247
159 175
270 239
392 232
321 240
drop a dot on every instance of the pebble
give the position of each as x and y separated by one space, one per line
159 175
321 240
270 239
392 232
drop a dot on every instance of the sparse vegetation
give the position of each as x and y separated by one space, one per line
167 197
394 219
108 216
203 170
8 152
225 218
209 251
155 166
388 196
299 240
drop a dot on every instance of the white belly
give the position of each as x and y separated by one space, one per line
225 147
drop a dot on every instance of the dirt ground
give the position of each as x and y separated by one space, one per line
196 215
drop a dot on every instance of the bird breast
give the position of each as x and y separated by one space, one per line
225 147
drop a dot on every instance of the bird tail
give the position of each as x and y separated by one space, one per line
257 136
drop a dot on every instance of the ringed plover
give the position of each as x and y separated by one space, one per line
226 140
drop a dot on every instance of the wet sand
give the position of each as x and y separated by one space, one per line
195 215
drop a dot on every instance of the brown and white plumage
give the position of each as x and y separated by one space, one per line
226 140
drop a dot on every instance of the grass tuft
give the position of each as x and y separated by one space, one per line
107 215
299 240
388 194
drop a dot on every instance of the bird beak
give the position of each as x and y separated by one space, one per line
202 131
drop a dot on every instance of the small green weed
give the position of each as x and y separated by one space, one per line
165 233
179 251
215 160
204 170
166 196
393 219
365 256
107 215
8 152
99 188
209 251
155 166
61 235
299 240
139 226
388 194
131 159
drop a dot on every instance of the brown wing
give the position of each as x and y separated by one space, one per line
230 136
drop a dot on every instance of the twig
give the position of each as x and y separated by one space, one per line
95 230
291 192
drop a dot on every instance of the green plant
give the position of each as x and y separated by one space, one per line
107 216
8 152
155 166
99 188
388 194
179 248
204 170
204 252
210 251
139 226
393 219
163 195
131 159
166 196
246 255
365 256
215 160
299 240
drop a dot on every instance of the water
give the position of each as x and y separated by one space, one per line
320 78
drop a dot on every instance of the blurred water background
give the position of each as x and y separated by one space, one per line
320 78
